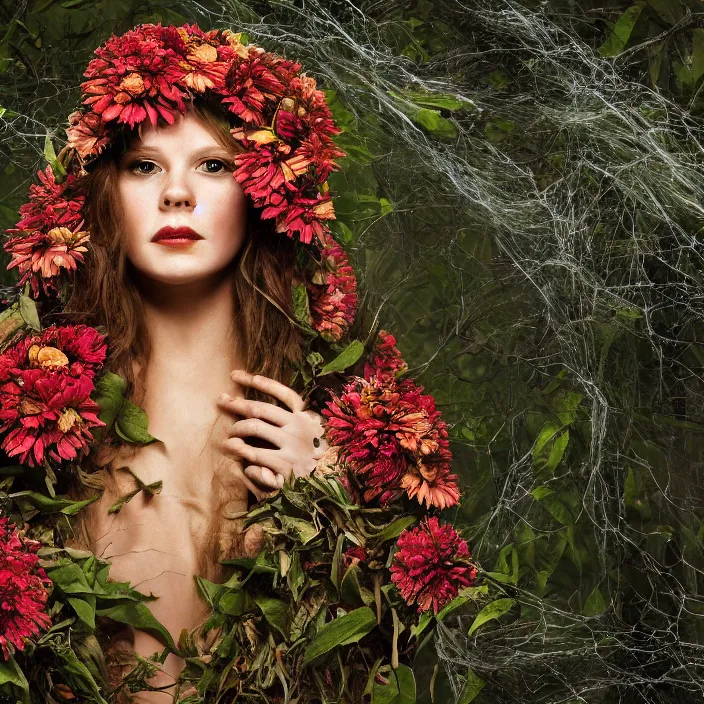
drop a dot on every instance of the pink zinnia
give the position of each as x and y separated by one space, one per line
431 565
42 257
333 294
393 439
305 216
24 589
45 385
50 204
385 361
87 134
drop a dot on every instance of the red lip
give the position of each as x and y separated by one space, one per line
167 233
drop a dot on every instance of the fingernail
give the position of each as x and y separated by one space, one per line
225 397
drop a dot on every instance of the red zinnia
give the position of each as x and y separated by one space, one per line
264 170
316 111
250 85
50 204
333 294
431 565
385 361
317 154
136 77
24 589
305 216
45 386
393 439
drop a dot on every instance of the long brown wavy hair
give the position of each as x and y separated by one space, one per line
103 295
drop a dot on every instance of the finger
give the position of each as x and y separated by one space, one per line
263 476
270 386
252 427
258 492
260 456
255 409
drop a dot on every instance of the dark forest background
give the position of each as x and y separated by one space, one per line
522 201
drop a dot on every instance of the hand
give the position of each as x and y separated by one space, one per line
293 432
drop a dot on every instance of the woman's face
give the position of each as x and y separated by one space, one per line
180 176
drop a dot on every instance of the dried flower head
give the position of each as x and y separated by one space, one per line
431 565
24 589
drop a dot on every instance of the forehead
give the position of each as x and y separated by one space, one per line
187 133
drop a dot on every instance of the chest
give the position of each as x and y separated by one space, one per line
186 526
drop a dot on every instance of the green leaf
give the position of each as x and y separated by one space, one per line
10 672
131 424
85 611
70 578
49 153
400 690
303 529
491 611
432 121
471 689
553 505
667 10
394 529
349 588
547 433
232 602
697 53
301 306
109 394
595 604
5 113
621 31
28 311
49 505
344 630
11 320
275 612
73 666
139 616
444 101
345 359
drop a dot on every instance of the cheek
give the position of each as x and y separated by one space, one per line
227 212
133 201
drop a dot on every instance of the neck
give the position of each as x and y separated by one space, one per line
191 324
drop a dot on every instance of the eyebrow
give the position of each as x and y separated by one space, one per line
211 149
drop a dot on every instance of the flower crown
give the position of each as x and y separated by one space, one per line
388 444
285 132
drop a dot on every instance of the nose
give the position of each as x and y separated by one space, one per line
178 194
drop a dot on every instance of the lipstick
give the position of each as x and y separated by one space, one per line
176 236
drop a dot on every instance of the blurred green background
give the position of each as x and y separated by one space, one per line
522 201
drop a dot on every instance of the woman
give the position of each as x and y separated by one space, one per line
194 325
